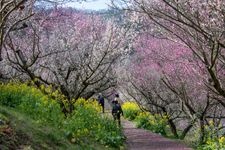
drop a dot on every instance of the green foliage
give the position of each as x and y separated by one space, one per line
11 95
24 132
32 102
3 119
130 110
213 139
155 123
87 122
108 133
142 120
84 124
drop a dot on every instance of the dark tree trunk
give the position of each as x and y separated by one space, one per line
202 131
173 128
186 130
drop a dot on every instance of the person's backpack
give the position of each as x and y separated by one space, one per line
116 108
101 100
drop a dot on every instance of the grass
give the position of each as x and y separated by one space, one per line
37 122
25 133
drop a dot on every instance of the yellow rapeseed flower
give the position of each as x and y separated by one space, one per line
211 123
222 140
130 106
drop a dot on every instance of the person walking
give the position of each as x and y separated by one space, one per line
117 110
101 102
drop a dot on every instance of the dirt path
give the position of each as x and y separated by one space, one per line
140 139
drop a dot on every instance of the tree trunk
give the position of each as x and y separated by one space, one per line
173 128
186 130
202 131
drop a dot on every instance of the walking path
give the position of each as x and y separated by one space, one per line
140 139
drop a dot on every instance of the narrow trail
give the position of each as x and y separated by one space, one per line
140 139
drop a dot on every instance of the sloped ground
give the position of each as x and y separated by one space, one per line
140 139
19 132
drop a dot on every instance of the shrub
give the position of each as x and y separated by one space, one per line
156 123
108 133
213 139
86 121
11 94
131 110
142 120
31 101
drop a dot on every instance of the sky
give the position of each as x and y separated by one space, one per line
94 5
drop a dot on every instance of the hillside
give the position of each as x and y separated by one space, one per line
17 131
30 119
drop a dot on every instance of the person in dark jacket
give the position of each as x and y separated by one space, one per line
101 102
116 111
